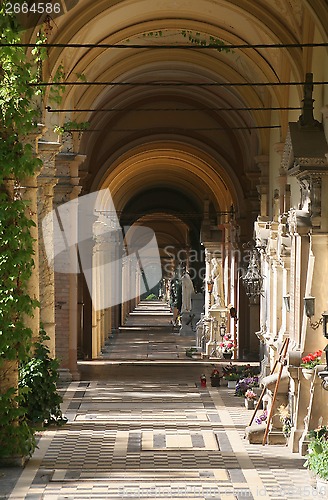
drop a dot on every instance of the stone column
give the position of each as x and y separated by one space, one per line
66 293
211 251
102 279
95 315
97 290
284 188
46 183
29 188
262 163
124 281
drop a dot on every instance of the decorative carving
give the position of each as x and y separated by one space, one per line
299 221
311 163
288 155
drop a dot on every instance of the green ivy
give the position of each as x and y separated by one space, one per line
203 40
72 126
18 119
16 436
38 381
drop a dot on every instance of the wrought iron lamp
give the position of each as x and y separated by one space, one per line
210 285
253 279
309 308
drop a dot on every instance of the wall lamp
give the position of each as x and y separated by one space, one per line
210 285
287 302
309 311
309 308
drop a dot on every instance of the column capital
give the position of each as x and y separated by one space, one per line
67 173
34 136
47 176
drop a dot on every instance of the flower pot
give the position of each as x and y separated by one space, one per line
322 487
227 355
308 373
249 404
232 384
215 381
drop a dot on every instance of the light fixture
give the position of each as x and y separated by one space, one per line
309 309
309 306
309 303
210 285
287 302
325 325
232 312
223 330
253 280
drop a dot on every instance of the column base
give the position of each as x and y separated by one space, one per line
65 375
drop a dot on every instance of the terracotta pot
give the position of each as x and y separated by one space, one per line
308 373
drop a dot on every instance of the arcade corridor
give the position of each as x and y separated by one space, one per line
147 429
174 150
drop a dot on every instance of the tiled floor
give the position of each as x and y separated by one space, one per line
157 435
148 430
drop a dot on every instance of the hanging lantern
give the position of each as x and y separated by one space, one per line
253 280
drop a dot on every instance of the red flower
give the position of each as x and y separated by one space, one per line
311 360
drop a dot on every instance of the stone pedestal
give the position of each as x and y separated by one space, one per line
186 325
197 306
255 433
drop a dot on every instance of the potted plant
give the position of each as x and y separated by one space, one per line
227 346
309 362
250 398
232 379
190 351
246 383
285 419
317 458
215 378
261 418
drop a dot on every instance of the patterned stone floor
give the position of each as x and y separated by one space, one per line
140 426
150 431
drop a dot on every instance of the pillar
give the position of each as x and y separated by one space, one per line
28 192
66 291
262 163
46 183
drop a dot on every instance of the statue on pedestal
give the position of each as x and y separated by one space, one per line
187 291
186 315
216 274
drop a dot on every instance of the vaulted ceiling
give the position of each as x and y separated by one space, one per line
169 117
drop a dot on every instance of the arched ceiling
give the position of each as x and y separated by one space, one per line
164 126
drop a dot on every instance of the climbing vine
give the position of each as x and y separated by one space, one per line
18 119
195 38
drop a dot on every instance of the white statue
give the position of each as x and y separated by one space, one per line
187 290
216 274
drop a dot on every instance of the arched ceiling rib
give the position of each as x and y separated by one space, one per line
131 151
171 168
